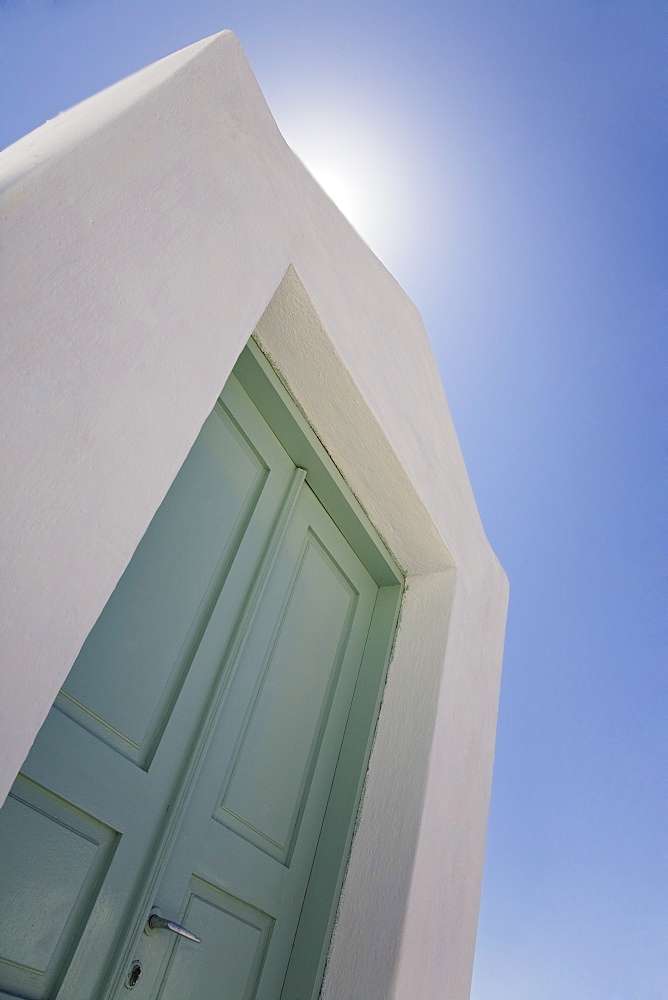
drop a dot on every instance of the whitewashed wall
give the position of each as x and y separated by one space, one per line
145 234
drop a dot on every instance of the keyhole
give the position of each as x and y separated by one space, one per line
133 975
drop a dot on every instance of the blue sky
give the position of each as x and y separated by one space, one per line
507 161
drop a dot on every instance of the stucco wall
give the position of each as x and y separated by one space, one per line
145 235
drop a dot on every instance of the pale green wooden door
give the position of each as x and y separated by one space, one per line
187 762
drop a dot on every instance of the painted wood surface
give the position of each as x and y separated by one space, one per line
189 758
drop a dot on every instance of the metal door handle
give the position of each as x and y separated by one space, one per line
156 922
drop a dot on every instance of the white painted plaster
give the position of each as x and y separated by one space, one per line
145 235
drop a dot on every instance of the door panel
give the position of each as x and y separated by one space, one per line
269 772
44 894
235 939
254 817
179 566
104 758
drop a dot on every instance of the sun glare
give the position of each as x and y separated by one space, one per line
363 174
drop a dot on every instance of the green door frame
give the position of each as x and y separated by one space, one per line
311 946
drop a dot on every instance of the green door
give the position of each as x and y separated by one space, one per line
188 761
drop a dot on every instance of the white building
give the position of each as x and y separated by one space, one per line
207 755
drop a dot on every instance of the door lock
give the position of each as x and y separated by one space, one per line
133 976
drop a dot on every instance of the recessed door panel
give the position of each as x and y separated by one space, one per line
276 753
228 963
45 893
132 663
